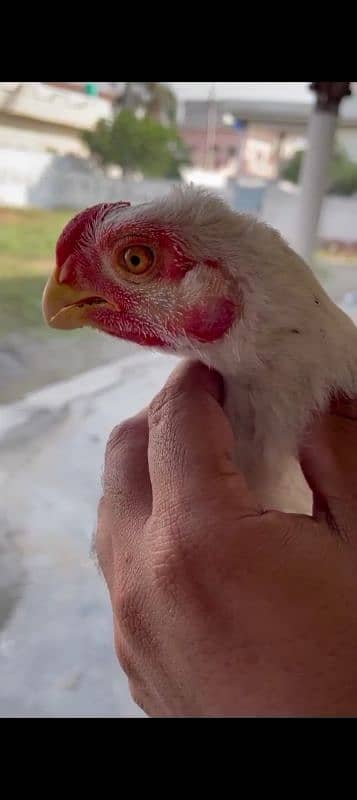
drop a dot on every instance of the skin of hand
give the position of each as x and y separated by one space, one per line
221 609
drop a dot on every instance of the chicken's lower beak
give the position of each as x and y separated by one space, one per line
65 307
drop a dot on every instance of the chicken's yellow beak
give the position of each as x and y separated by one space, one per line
65 307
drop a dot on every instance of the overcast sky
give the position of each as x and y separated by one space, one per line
257 91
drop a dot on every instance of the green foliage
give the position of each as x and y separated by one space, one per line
342 178
135 143
157 99
161 100
343 175
290 170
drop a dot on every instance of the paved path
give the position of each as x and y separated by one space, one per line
56 652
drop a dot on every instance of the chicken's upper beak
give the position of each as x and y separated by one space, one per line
65 307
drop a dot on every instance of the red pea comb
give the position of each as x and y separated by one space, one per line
77 226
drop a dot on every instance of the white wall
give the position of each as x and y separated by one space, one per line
51 104
48 181
30 178
24 134
338 218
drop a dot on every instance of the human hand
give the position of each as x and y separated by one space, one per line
221 609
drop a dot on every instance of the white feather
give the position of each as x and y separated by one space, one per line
288 353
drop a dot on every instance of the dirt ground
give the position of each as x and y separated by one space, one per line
29 360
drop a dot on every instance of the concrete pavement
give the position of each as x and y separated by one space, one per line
56 651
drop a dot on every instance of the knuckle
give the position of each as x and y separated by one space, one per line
124 657
129 611
127 658
120 437
166 403
173 553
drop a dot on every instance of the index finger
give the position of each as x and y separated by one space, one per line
329 462
126 501
191 443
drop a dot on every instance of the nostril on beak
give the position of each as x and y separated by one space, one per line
63 272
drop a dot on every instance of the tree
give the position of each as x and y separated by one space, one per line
136 143
161 103
156 99
342 178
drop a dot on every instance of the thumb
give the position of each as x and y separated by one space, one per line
329 463
191 443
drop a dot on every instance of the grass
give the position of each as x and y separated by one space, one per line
27 245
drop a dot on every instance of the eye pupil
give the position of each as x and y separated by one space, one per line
136 261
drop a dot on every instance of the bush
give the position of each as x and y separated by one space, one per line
138 144
342 178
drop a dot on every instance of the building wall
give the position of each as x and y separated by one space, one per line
265 148
52 181
34 116
256 149
225 146
38 101
29 134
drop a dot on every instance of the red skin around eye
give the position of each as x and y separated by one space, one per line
173 261
206 322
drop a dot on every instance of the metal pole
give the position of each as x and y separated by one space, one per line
211 129
314 174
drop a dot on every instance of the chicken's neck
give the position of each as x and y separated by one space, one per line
266 443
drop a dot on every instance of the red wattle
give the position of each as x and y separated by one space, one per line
211 321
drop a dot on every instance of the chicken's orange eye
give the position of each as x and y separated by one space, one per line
138 260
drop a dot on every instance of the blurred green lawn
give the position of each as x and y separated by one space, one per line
27 246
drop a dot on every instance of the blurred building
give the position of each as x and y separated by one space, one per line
253 137
49 117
